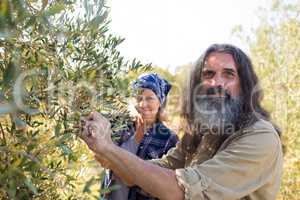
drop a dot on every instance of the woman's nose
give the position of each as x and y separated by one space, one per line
142 103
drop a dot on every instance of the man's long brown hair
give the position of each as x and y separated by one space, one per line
251 92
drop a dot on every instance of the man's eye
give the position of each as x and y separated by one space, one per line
230 74
208 74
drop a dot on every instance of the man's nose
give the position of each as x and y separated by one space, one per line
218 81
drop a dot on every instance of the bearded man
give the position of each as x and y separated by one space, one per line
230 149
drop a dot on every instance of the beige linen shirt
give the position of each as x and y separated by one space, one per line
247 165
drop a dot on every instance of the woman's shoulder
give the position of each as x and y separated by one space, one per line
162 130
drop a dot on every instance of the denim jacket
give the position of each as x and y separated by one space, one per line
156 142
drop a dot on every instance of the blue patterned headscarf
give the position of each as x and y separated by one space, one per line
154 82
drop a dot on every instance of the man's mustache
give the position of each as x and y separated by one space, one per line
218 90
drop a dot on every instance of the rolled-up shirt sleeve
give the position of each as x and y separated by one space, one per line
245 165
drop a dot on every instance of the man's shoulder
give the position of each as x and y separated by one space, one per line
261 133
260 126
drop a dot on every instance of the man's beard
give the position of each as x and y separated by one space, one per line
217 115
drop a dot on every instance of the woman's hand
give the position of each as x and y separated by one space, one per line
96 133
140 128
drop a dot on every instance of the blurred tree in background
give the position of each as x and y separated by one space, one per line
275 51
57 63
274 47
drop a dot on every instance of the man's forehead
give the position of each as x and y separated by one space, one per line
224 66
219 60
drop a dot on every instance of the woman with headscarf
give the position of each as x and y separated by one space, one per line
147 137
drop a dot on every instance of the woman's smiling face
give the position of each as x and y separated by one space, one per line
148 105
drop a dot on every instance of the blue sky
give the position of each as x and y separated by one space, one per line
170 33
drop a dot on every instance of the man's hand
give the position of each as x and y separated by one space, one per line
132 170
96 133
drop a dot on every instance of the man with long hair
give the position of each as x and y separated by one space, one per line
230 149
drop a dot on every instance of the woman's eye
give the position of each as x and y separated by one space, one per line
139 98
149 98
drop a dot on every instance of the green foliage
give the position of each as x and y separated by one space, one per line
58 62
